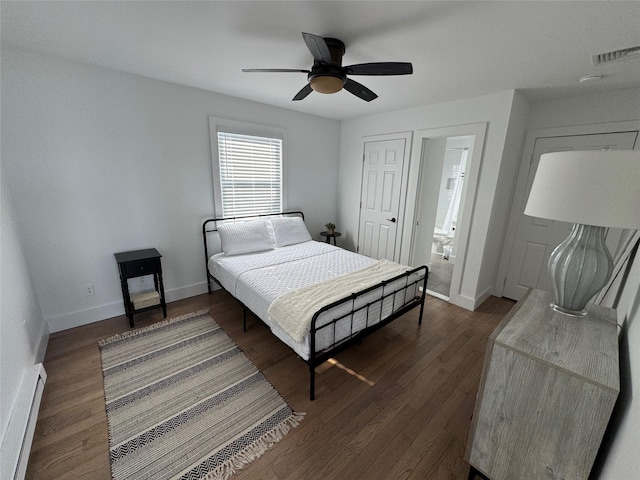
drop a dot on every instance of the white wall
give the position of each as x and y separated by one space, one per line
615 106
505 188
622 439
496 110
101 161
23 332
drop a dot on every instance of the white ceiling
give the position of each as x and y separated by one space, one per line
459 49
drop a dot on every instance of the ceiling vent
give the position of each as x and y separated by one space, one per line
615 56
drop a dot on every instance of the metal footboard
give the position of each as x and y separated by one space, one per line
410 287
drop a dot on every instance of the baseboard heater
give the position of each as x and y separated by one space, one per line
22 424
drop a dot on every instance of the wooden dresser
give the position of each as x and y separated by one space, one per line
548 387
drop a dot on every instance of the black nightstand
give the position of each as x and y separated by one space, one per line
330 236
139 263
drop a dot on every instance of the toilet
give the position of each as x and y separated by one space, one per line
442 242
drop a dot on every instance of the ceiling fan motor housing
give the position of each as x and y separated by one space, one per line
329 77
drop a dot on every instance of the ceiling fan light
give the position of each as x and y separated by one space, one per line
326 84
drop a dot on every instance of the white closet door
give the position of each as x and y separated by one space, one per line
380 198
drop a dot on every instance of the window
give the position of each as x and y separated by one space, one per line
249 172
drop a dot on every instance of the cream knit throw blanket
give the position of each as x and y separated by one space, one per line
294 310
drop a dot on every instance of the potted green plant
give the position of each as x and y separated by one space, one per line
330 228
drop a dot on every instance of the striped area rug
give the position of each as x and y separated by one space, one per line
184 402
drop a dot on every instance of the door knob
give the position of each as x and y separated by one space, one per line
392 220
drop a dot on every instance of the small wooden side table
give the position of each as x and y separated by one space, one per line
139 263
330 236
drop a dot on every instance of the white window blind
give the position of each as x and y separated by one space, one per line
250 174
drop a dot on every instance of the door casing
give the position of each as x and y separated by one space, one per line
478 130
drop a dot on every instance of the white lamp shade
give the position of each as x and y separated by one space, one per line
596 187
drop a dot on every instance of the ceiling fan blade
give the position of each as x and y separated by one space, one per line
380 68
359 90
277 70
306 90
318 47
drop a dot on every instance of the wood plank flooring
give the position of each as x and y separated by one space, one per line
397 405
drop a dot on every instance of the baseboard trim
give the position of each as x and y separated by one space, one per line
437 295
461 301
470 303
44 342
482 298
181 293
84 317
16 444
102 312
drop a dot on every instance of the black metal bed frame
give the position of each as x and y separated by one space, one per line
413 280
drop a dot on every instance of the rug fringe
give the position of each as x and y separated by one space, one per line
138 331
256 449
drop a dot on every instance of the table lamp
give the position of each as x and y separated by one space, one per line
594 190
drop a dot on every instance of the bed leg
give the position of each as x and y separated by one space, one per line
244 318
312 383
424 295
209 286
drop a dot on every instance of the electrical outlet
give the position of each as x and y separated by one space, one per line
89 290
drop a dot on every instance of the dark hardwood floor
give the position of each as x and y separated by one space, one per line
398 405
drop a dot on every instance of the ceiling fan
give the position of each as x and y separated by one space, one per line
329 76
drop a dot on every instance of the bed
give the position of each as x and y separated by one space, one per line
315 297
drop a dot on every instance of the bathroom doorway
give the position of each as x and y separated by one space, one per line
444 245
441 186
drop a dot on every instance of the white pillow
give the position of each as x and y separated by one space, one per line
245 237
289 231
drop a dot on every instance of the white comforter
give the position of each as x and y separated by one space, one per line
294 311
257 279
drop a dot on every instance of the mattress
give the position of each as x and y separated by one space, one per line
257 279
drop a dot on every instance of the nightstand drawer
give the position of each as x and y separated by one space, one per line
140 268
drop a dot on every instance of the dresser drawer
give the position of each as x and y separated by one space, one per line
140 268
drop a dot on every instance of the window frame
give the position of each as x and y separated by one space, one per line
216 125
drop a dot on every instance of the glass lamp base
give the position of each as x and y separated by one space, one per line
566 311
579 267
